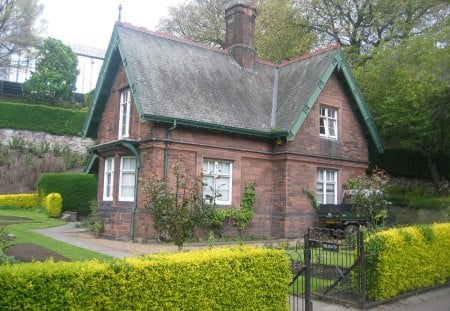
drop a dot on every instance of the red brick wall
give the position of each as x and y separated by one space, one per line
280 172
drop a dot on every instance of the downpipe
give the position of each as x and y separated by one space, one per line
166 151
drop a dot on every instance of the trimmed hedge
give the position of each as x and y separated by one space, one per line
57 121
77 190
23 200
52 203
240 278
407 259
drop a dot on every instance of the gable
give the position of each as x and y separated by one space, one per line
172 80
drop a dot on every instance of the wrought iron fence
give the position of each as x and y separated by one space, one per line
328 264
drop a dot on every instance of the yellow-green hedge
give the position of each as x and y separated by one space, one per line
409 258
25 200
52 203
241 278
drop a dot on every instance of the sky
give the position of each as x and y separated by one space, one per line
90 22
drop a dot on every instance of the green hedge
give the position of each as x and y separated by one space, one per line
240 278
77 190
407 259
409 163
57 121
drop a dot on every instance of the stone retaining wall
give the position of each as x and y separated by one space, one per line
74 143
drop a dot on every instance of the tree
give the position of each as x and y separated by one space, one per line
17 32
280 32
407 89
361 25
199 20
56 71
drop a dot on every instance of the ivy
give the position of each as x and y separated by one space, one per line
238 216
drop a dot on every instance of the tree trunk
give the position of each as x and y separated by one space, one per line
434 172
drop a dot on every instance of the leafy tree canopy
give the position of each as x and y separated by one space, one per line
280 30
407 88
56 71
361 25
17 32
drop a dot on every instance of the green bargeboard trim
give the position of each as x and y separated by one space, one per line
98 103
357 95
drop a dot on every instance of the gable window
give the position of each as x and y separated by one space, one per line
127 178
328 122
326 186
108 179
124 114
217 181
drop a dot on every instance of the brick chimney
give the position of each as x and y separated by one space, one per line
240 31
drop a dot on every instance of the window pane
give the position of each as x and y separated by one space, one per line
322 126
128 164
222 195
320 175
128 179
223 168
127 191
323 111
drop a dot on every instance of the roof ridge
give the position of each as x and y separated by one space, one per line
310 54
173 37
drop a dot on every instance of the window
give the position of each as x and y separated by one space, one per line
328 122
217 181
127 178
124 114
326 186
108 179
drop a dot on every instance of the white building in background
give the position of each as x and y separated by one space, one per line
90 61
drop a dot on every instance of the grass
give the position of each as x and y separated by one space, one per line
38 219
298 287
318 256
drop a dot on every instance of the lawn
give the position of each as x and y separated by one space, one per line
34 219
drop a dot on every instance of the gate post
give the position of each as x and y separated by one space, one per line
307 256
362 269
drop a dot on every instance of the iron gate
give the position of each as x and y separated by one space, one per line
327 264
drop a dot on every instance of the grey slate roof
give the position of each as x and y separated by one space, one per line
173 79
183 81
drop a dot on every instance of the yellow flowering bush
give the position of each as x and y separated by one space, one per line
407 259
237 278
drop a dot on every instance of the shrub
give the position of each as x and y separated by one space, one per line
52 203
24 200
413 197
239 278
77 190
407 259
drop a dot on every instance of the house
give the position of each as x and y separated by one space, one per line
299 125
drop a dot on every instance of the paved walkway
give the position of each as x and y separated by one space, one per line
436 300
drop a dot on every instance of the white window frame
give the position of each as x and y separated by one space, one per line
123 172
215 172
108 188
324 179
328 120
124 114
